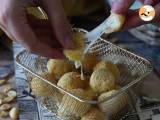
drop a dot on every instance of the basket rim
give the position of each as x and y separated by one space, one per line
120 91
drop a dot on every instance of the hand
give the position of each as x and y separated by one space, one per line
44 37
132 16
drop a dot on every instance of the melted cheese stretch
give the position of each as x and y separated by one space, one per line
82 74
78 64
113 23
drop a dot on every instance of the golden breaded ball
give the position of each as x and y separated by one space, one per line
57 98
59 67
72 107
41 88
113 105
88 62
112 67
94 114
77 53
90 92
102 80
72 80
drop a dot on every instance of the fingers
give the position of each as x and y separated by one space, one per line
43 29
157 17
122 6
43 32
48 39
44 50
36 22
20 29
132 20
17 26
61 27
28 32
46 44
34 44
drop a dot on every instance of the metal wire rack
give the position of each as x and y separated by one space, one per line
133 69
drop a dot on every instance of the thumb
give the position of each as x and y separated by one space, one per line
60 25
18 27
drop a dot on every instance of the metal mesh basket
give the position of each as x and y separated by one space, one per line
132 69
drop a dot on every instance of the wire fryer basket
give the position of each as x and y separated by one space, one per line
133 69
